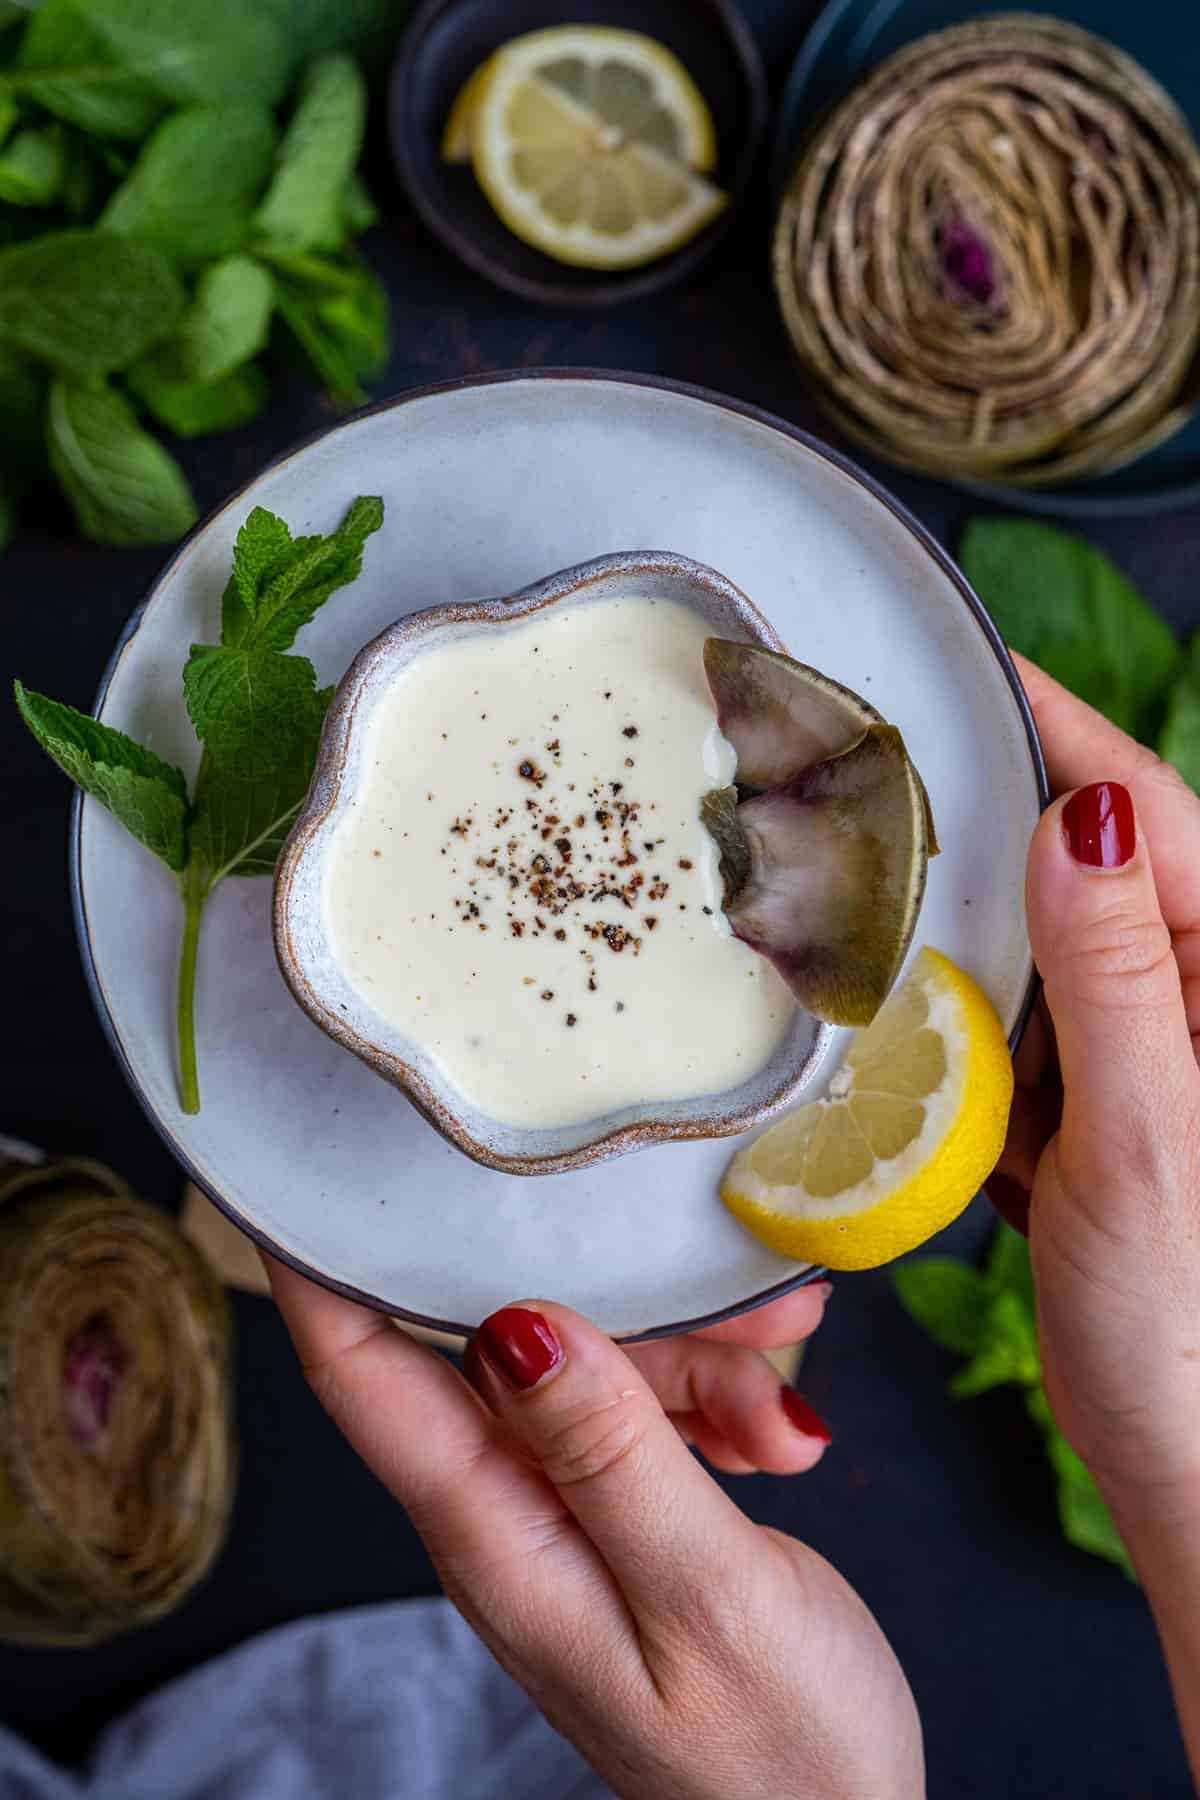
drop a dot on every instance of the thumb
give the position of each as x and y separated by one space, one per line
579 1408
1111 984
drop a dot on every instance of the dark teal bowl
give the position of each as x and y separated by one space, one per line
850 37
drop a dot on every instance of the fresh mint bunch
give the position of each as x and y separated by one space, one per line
989 1316
178 188
258 714
1069 609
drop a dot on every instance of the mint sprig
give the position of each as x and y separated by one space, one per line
989 1316
179 199
257 712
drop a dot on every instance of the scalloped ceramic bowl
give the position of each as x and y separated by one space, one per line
318 983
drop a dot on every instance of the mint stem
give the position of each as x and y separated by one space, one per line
193 910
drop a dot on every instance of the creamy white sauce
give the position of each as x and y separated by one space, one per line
603 973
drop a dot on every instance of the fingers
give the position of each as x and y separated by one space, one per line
1077 740
591 1424
1112 984
384 1390
778 1324
1011 1201
734 1405
1034 1119
1079 746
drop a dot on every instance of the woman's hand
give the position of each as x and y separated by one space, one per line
689 1654
1105 1131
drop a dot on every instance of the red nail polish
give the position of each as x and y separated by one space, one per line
803 1417
1010 1201
1098 821
520 1345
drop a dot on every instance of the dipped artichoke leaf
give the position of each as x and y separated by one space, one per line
718 813
837 863
932 847
780 715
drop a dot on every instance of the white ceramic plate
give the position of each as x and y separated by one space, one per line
488 485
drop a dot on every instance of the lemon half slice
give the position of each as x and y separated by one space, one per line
586 141
913 1122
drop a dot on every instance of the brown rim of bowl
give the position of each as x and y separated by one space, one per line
325 797
617 378
606 288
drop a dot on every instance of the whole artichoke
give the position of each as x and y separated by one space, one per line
116 1433
988 256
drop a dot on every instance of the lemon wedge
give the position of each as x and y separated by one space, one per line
587 141
913 1122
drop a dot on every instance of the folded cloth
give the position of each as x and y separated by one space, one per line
398 1702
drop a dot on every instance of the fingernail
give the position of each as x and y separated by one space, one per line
824 1288
520 1345
803 1417
1010 1201
1098 822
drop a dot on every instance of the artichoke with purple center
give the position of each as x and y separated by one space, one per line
988 256
116 1423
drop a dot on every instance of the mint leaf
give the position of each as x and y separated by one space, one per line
68 68
340 313
277 587
85 302
191 192
230 318
303 207
245 704
240 825
22 399
1180 741
194 408
1008 1267
316 26
358 323
335 368
949 1299
359 211
32 166
8 511
1066 606
123 485
1083 1515
1008 1353
263 545
148 795
221 50
79 180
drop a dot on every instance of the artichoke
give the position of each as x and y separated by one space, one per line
825 840
988 256
116 1436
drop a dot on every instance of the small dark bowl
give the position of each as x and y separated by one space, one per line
448 39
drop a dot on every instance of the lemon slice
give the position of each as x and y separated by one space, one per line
914 1121
629 81
459 135
585 141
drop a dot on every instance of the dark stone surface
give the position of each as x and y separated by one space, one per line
1035 1667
